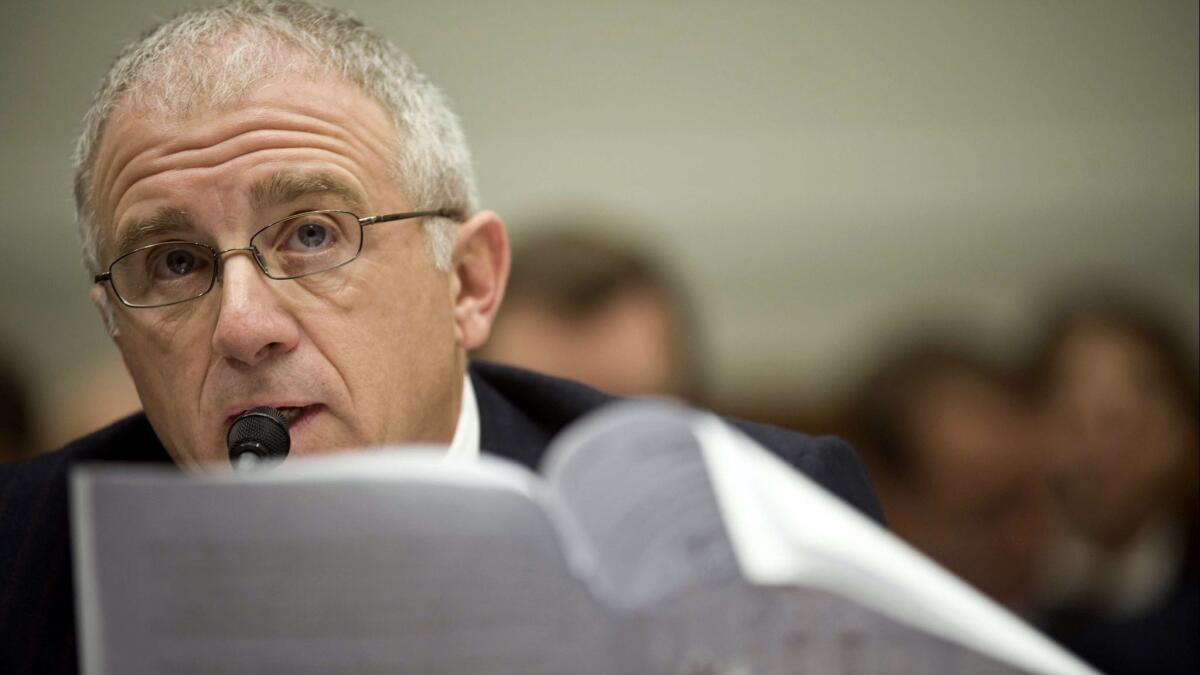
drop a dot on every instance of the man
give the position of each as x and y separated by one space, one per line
585 306
278 209
949 442
17 435
1117 396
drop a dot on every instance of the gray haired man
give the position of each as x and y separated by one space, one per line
278 210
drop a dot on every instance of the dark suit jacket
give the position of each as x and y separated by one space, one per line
1163 638
520 412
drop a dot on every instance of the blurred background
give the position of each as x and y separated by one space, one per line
964 235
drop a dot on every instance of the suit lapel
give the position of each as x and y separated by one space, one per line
504 430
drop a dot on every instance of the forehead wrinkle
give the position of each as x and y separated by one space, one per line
308 128
203 156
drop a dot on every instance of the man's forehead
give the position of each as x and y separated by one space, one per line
137 136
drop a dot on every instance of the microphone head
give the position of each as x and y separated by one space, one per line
258 434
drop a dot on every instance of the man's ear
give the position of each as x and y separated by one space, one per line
99 297
481 263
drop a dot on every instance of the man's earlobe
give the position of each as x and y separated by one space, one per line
99 297
481 263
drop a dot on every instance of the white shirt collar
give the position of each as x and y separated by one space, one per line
465 446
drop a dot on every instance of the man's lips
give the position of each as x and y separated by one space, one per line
292 412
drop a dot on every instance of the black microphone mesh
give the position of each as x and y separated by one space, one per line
261 431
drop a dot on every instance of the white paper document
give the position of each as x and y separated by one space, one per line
656 540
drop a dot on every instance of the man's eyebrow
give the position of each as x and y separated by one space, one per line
287 186
141 231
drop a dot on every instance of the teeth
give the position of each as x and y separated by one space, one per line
289 414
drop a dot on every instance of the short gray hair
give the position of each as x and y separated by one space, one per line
209 57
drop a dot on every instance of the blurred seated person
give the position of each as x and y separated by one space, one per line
16 421
1118 403
585 306
98 393
948 444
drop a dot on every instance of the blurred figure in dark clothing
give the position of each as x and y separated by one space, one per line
588 307
949 445
1117 392
17 436
100 393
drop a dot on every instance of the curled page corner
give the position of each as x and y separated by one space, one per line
786 530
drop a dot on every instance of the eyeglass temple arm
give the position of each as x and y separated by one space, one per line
102 277
441 213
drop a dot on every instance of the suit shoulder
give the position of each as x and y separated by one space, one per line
828 460
518 405
553 401
130 439
36 587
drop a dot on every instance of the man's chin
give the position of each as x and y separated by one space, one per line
206 463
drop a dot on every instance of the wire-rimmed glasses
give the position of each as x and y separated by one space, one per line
171 272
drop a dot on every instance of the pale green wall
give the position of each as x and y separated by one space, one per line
817 168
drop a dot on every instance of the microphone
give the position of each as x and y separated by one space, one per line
256 435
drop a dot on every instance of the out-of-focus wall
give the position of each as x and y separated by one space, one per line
817 169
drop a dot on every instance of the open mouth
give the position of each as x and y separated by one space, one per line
289 414
292 415
295 416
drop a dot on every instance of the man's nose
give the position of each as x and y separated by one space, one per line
253 323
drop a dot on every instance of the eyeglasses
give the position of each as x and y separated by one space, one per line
172 272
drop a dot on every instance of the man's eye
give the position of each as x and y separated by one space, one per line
310 237
176 263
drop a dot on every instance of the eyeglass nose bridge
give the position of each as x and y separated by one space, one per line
251 250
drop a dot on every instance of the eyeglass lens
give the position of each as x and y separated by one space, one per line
171 272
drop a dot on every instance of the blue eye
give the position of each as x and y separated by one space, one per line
313 241
310 236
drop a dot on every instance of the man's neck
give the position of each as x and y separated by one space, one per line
465 445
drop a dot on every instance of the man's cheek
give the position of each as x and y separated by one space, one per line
168 378
164 335
340 292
